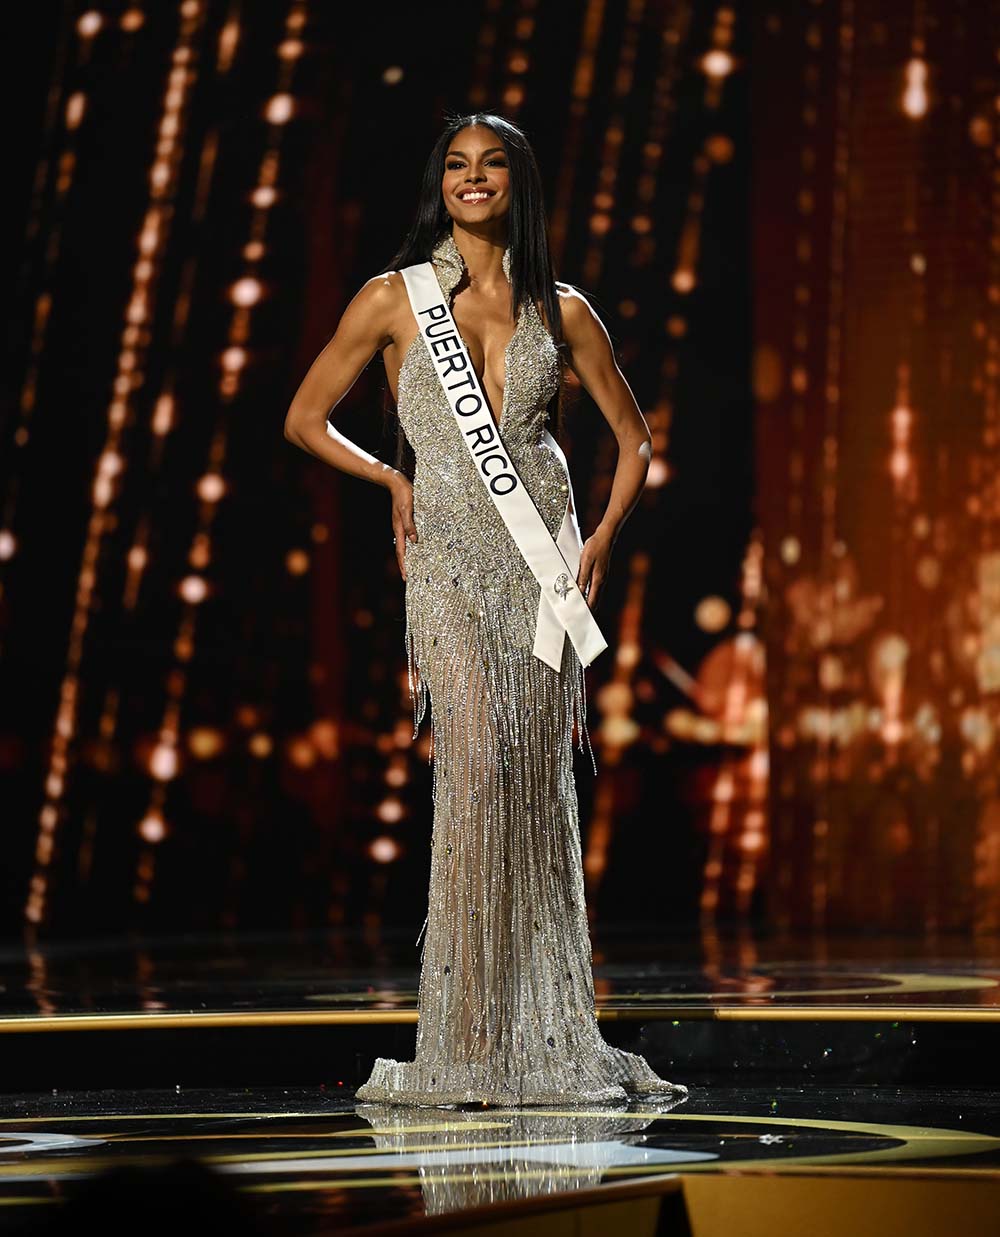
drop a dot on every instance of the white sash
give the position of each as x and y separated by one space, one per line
562 607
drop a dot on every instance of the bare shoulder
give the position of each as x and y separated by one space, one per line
381 300
572 302
580 323
383 292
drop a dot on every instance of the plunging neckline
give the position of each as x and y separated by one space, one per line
497 424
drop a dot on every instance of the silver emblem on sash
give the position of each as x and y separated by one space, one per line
562 585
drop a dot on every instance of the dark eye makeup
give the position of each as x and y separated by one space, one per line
452 164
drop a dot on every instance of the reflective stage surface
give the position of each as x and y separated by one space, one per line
306 1160
267 979
132 1064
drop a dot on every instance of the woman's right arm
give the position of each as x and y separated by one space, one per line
366 325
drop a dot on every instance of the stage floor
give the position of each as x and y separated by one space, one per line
221 980
238 1056
311 1162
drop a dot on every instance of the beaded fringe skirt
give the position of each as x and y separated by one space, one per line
506 993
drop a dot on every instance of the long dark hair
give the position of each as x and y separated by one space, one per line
531 272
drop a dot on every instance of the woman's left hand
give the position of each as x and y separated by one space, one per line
594 560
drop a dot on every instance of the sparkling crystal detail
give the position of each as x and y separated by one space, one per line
502 726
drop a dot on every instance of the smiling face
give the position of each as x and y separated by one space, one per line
476 180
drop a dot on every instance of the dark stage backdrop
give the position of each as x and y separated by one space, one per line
204 719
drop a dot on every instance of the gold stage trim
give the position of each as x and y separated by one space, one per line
185 1020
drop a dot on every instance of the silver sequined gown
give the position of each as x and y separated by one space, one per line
506 995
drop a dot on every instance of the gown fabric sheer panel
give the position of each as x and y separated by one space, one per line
506 994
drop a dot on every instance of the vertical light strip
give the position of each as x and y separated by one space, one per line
245 293
615 701
716 64
486 49
164 419
518 57
737 823
903 461
801 387
832 393
601 221
985 503
618 729
111 462
646 239
604 198
581 94
57 166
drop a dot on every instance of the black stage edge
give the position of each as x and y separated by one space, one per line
338 1057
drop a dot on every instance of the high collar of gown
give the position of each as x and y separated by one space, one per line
451 265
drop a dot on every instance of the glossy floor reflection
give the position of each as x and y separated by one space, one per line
472 1158
251 978
305 1160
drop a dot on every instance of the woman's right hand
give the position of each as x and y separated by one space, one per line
403 527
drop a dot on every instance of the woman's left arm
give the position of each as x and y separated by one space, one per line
592 359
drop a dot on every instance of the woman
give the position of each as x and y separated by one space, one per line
506 997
